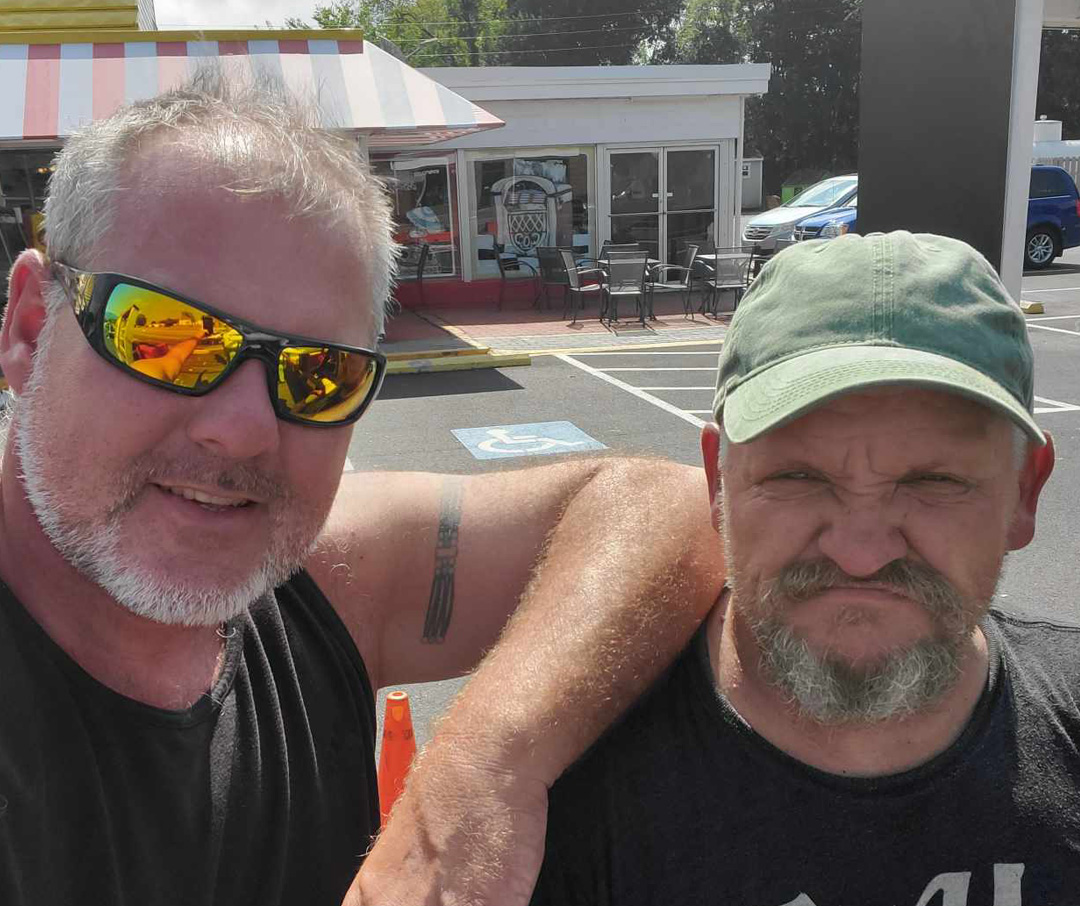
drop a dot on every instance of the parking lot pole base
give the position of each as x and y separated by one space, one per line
1031 308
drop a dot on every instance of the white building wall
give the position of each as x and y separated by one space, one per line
588 121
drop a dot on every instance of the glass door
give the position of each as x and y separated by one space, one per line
663 199
690 199
635 198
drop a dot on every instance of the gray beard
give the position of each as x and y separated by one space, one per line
826 688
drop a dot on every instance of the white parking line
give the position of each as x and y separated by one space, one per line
672 352
349 467
1075 333
1056 289
710 387
1054 406
1056 318
655 369
633 391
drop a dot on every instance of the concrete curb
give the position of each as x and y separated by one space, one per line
456 361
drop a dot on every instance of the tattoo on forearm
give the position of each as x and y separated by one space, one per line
441 602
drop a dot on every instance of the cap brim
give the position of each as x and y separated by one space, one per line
793 387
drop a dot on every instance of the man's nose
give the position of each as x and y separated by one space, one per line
237 419
863 536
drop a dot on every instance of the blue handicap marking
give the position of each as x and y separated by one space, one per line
540 439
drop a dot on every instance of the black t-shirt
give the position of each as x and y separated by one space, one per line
263 792
682 803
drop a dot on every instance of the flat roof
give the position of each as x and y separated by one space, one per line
512 83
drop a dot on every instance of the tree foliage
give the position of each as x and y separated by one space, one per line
603 32
424 32
810 117
1059 80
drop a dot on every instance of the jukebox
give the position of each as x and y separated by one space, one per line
532 211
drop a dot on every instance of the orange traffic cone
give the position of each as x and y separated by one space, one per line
398 749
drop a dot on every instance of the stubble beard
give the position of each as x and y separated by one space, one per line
828 689
95 546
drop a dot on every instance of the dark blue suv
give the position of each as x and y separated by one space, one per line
1053 216
1053 222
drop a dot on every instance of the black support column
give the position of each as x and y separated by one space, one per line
936 109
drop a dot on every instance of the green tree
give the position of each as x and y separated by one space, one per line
1059 80
569 33
809 119
424 32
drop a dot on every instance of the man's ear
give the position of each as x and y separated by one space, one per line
24 318
1037 468
710 454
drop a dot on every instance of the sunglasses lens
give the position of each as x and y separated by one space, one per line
324 384
165 339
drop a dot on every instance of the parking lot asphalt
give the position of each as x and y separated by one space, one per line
653 402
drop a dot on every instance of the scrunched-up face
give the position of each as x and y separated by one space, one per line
186 508
866 539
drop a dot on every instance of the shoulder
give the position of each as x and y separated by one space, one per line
1042 656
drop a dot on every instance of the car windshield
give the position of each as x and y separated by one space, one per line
823 194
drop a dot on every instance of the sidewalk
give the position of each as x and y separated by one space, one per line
519 327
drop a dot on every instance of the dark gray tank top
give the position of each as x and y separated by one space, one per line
262 792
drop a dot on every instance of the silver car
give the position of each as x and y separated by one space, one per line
774 229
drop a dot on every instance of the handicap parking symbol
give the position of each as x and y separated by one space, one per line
540 439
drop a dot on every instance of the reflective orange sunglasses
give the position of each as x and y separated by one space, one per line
164 339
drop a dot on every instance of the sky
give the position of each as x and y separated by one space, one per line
228 13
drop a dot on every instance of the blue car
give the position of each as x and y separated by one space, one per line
1053 223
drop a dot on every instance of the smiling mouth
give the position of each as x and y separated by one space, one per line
207 501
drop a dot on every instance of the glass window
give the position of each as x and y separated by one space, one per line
423 190
829 192
1048 184
527 201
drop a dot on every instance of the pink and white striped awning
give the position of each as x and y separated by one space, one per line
47 90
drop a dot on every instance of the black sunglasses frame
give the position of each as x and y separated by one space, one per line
258 342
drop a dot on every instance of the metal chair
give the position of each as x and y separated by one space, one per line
661 280
421 263
511 264
553 272
576 291
393 306
625 277
731 271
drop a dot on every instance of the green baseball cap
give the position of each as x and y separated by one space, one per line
828 317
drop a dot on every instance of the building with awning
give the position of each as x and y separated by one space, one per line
484 166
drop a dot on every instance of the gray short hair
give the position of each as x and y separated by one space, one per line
284 154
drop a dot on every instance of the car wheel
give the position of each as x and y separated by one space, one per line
1041 248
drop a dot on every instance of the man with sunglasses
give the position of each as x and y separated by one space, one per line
196 604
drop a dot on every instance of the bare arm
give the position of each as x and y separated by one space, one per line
632 564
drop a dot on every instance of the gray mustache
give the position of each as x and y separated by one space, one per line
799 582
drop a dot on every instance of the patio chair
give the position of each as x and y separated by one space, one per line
674 278
610 246
553 272
511 264
730 271
393 306
576 291
625 277
421 263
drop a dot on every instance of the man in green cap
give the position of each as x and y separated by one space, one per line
854 724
